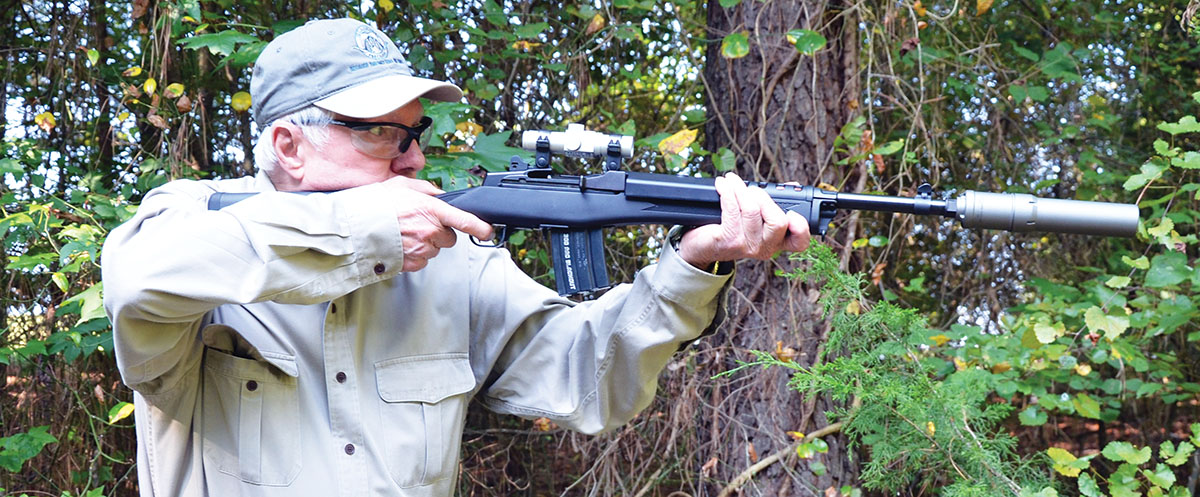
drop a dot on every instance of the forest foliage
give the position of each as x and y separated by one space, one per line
968 363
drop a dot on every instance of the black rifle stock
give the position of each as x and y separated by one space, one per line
575 209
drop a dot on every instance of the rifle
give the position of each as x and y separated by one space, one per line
575 209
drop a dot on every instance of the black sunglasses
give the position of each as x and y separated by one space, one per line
411 133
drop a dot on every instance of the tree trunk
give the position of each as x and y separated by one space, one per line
779 111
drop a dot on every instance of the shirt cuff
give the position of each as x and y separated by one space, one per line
682 282
374 232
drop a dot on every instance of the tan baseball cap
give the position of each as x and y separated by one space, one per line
340 65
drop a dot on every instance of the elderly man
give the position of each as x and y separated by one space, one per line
329 344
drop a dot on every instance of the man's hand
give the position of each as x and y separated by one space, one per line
752 227
426 223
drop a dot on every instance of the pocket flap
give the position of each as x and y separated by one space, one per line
426 378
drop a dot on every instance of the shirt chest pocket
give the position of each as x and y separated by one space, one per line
424 403
250 421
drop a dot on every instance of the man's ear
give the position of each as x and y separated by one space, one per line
290 146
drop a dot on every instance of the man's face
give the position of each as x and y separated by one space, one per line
340 165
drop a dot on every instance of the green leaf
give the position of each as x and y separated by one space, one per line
21 447
805 450
1139 263
878 241
1126 452
1186 124
1163 229
91 302
1167 269
60 281
806 41
1112 326
1046 333
11 166
1161 148
818 468
1088 486
494 153
1150 171
1175 456
1190 160
93 56
1025 52
532 30
1161 476
1032 416
222 43
1087 406
1039 93
729 3
736 45
724 160
820 446
1018 93
890 148
1117 282
494 14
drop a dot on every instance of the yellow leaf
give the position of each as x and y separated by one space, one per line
45 121
240 101
826 186
919 9
929 427
543 424
1062 459
386 5
853 308
1083 369
150 85
982 6
677 142
796 435
469 128
122 116
1002 367
597 24
959 364
132 72
525 45
458 148
940 340
123 412
173 90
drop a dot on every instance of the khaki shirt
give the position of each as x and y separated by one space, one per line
275 349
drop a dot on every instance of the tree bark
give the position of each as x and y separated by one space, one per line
779 111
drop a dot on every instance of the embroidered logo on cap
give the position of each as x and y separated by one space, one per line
370 43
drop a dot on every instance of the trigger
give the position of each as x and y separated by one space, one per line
499 239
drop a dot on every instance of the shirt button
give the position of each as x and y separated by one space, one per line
340 377
380 268
251 385
349 449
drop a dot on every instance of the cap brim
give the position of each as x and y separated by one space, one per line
383 95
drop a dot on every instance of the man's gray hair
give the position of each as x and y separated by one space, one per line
313 122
